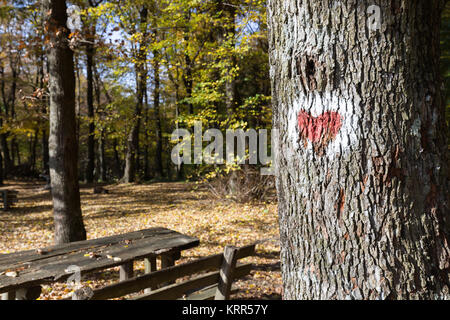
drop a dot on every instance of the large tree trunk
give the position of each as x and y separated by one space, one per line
62 141
102 156
362 154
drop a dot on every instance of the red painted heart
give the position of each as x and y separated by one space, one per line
321 129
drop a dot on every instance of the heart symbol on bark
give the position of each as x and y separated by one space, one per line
319 130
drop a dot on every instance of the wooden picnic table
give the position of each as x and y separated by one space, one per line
27 270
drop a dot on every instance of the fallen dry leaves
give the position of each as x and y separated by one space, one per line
177 206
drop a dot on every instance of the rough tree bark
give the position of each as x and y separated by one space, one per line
62 140
362 154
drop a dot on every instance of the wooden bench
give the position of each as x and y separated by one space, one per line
213 278
23 273
9 198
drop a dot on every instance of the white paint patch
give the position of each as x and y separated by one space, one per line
317 104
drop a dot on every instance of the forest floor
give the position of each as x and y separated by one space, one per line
183 207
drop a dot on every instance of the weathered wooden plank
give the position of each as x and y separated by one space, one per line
123 252
11 295
226 273
52 268
176 291
246 251
56 271
10 261
48 252
205 294
156 278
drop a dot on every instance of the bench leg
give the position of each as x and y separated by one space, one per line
150 266
126 271
11 295
168 260
31 293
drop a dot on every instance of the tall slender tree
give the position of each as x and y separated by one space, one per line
156 106
131 158
62 141
90 53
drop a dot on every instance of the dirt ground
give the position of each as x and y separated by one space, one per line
183 207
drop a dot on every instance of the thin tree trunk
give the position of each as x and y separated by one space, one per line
63 143
362 156
180 167
174 80
5 113
117 162
44 139
146 138
90 104
141 86
229 37
78 98
45 152
15 147
34 141
6 153
156 96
